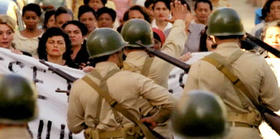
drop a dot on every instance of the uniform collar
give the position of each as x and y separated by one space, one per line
104 67
228 45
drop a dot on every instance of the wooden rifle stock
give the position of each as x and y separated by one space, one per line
263 45
167 58
59 72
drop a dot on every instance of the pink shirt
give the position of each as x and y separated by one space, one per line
121 7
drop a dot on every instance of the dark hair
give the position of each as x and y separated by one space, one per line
63 10
51 32
266 8
148 3
203 1
77 23
166 2
48 15
84 9
32 7
188 6
103 2
110 11
203 39
139 8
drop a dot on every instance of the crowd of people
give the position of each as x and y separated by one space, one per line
101 37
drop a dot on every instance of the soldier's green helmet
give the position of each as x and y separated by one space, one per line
17 100
104 41
199 114
225 22
137 31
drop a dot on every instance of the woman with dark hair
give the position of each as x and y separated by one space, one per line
106 17
77 32
49 19
161 9
55 46
136 11
95 4
27 39
87 16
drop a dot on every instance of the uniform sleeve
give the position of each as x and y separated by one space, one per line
192 79
175 41
75 113
154 93
270 94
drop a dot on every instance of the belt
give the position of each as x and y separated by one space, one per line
240 124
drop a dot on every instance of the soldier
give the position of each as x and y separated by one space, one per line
17 106
200 114
100 115
137 60
227 68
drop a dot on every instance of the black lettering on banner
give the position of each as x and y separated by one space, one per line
29 131
181 77
70 135
35 69
15 63
40 129
62 131
49 127
1 58
170 91
42 97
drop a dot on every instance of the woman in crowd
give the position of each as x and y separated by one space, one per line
95 4
55 47
87 16
49 19
77 32
106 17
7 30
271 35
27 39
136 12
161 9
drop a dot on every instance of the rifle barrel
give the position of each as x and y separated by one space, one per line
263 45
168 58
59 72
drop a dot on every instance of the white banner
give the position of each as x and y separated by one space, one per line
52 100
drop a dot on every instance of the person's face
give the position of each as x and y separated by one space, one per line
275 10
55 46
30 19
209 43
62 19
51 22
272 37
157 44
105 20
202 12
95 4
161 12
135 14
89 20
75 34
6 36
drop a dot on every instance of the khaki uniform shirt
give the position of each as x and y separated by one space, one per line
159 70
125 86
251 69
14 133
